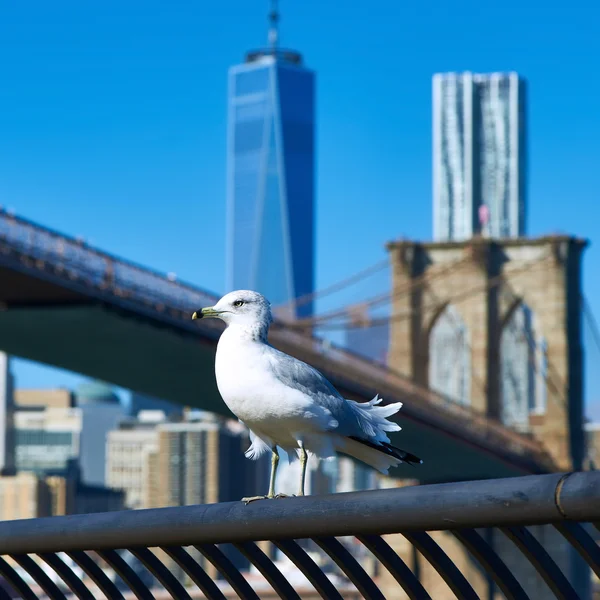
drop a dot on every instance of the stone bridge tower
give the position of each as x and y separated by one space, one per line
496 324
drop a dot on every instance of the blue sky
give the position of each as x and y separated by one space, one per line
112 120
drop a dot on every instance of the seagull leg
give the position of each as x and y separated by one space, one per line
274 463
271 494
303 461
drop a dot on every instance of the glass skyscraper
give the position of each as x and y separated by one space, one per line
479 155
270 173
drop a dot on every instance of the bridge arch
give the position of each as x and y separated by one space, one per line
450 355
523 360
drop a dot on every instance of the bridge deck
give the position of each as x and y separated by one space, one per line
68 305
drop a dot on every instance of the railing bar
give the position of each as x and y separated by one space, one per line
38 575
541 560
492 563
395 565
229 571
195 572
16 581
458 505
67 575
126 573
268 569
309 568
583 542
160 571
348 564
442 564
96 574
4 594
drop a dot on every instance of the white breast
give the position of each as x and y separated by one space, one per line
251 391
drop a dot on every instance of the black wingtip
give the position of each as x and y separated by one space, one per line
406 457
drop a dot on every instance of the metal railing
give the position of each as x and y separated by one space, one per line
195 545
72 263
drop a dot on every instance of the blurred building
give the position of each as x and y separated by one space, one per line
24 496
127 459
353 476
271 175
7 448
47 439
101 412
479 155
201 462
48 442
39 398
28 495
56 427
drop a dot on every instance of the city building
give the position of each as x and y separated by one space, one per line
101 412
61 433
7 448
44 398
24 496
201 461
198 460
271 176
353 476
47 431
127 457
479 155
28 495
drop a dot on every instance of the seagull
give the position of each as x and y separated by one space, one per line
285 403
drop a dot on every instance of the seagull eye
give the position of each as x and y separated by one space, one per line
238 303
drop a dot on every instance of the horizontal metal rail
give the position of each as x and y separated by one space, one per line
48 254
530 500
146 549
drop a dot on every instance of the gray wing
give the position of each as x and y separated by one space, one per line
298 375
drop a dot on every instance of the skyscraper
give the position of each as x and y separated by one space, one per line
479 155
270 171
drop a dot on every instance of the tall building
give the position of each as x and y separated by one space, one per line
270 175
127 455
7 444
202 462
479 155
101 412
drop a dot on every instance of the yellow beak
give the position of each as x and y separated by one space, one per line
206 313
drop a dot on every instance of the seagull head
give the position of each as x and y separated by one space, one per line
243 307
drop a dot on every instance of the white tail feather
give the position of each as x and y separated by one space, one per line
373 419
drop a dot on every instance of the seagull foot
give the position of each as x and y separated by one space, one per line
253 498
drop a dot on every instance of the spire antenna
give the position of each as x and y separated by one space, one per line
273 25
